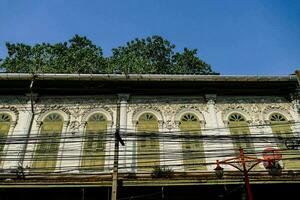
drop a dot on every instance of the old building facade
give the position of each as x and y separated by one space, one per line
65 124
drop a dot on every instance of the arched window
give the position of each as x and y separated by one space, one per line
239 128
192 144
282 129
148 152
93 157
48 144
5 122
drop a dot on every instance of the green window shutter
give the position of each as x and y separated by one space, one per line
93 158
45 157
192 147
148 150
239 128
281 128
241 131
5 123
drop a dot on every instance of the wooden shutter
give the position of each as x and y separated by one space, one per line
290 156
148 149
192 145
45 157
93 158
5 123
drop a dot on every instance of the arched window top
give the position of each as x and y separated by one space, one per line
97 117
276 117
5 117
53 117
236 117
189 118
147 117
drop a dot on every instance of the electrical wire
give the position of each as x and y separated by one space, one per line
172 137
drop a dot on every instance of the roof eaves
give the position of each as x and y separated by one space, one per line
147 77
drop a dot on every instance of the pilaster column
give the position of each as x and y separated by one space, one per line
123 98
124 163
212 125
211 101
295 100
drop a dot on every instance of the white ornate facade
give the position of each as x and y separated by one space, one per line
211 110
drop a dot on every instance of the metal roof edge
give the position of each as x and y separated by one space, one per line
147 77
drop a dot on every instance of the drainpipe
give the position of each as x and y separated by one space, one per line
23 153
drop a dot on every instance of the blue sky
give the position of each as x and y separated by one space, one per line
234 36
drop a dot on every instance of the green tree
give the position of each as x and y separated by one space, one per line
156 55
78 55
188 62
150 55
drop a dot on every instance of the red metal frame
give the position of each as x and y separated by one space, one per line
243 159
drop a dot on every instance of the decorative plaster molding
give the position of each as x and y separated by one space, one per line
192 110
278 108
147 109
255 109
227 110
11 110
64 112
106 111
75 126
49 108
167 113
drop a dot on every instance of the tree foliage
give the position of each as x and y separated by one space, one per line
79 55
188 62
156 55
151 55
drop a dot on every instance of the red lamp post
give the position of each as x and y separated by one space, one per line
272 166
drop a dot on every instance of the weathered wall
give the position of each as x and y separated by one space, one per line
211 110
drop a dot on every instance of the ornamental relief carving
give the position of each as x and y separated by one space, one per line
169 125
75 126
12 109
97 106
137 108
47 108
75 111
167 111
286 109
197 107
283 107
225 108
256 111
